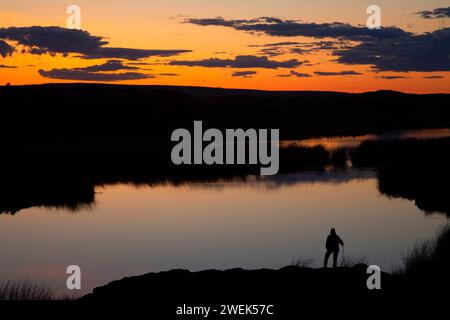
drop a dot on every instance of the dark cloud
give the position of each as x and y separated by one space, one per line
244 74
294 73
433 77
275 44
306 48
289 47
338 73
5 49
329 45
99 72
168 74
277 51
130 54
138 63
111 65
82 75
243 61
437 13
297 51
292 28
391 77
7 67
52 40
423 52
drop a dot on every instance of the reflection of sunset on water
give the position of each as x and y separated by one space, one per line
333 143
258 224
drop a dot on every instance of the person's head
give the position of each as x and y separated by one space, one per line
332 231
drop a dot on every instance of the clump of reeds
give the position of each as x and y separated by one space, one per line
429 256
25 290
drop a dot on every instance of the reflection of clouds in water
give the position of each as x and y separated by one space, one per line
331 176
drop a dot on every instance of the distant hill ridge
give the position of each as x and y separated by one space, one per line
217 91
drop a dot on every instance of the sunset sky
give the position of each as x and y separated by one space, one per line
274 45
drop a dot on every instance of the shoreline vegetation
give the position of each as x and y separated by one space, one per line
24 289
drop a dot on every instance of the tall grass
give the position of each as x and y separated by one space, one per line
429 256
345 261
25 290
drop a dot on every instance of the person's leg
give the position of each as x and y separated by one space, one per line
327 255
335 258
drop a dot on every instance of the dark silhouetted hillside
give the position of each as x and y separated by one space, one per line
56 114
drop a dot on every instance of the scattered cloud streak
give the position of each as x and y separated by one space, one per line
391 77
280 48
111 65
244 74
294 73
337 73
82 75
437 13
242 61
100 72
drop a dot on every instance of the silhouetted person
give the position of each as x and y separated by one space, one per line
332 245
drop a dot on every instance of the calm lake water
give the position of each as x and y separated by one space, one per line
260 222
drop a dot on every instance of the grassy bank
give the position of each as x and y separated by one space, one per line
25 290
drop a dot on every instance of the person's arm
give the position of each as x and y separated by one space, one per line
340 241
